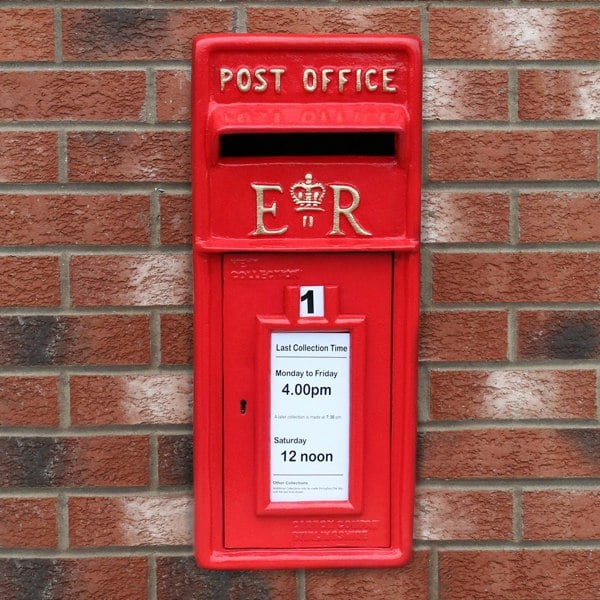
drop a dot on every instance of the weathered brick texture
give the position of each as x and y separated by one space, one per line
75 340
509 454
137 280
550 334
463 336
410 582
28 157
72 96
519 575
96 327
559 217
29 401
173 91
463 515
179 577
27 34
512 155
571 95
355 19
514 33
561 515
105 461
512 394
516 277
28 523
450 217
130 521
131 399
29 281
138 34
68 220
119 578
106 156
453 94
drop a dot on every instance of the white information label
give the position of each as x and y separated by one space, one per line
310 416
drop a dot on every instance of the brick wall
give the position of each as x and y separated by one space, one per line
95 293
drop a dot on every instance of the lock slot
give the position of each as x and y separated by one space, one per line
322 143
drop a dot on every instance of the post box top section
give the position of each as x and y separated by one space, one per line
294 68
324 124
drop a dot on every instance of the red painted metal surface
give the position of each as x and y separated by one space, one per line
306 172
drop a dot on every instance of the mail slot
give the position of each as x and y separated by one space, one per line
306 203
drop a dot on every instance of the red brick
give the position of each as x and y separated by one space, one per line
176 337
28 402
28 523
410 582
178 578
97 578
454 94
130 521
74 461
572 95
334 20
568 335
516 277
131 399
72 220
132 280
460 395
514 33
29 157
509 454
27 34
29 281
75 340
459 336
512 155
72 95
519 575
175 219
463 515
561 515
138 34
173 95
129 156
175 459
450 217
559 217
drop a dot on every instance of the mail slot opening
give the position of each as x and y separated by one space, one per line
246 145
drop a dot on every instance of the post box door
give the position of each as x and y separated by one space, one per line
307 386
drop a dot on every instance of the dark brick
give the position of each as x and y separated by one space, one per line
175 459
179 578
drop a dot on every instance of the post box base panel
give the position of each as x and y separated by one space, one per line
307 402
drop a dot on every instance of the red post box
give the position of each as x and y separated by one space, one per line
306 201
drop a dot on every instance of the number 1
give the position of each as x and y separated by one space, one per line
309 296
312 301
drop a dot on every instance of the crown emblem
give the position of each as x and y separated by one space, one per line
307 195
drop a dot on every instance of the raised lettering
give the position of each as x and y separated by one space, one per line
226 77
342 79
325 79
372 87
387 75
244 80
262 85
261 209
309 80
277 72
346 211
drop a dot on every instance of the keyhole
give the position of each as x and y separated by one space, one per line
243 406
